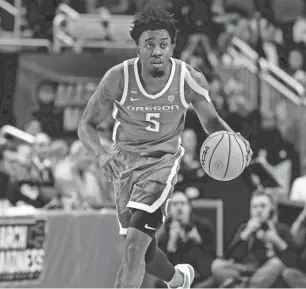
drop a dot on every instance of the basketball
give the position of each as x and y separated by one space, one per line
223 155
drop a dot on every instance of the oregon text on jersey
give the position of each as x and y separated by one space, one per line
154 108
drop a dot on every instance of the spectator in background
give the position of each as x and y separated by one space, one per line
243 31
190 142
296 66
187 239
196 18
31 177
40 15
33 127
260 250
59 150
190 168
298 189
113 6
139 5
296 277
41 146
78 186
296 61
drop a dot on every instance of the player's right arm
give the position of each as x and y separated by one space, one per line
99 106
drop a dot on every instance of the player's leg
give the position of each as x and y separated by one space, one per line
139 213
132 267
141 229
158 265
140 250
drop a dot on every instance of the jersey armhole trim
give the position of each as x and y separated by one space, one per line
196 87
182 85
126 82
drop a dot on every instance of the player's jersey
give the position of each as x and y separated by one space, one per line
150 123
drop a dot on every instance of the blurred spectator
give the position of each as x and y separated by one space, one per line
296 277
33 127
298 190
190 168
41 146
296 66
190 143
31 177
199 54
295 61
243 30
113 6
196 18
135 6
40 15
229 21
77 181
260 250
298 230
58 151
186 238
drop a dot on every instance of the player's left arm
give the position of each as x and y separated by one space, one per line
197 94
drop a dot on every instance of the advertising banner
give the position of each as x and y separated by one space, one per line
61 250
22 249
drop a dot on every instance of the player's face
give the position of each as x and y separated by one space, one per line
261 207
155 50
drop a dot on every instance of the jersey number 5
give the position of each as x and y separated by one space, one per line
151 117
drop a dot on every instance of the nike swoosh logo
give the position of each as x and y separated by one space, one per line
133 99
150 228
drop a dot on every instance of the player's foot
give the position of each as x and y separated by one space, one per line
188 273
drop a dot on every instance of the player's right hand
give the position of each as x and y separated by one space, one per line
111 165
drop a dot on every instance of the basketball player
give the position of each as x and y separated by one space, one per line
150 95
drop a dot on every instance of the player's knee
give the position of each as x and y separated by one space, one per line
145 222
140 237
136 244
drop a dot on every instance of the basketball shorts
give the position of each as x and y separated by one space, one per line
147 184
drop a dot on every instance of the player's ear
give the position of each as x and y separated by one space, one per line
138 51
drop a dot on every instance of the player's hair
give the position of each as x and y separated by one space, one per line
153 19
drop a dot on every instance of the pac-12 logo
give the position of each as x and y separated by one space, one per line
171 98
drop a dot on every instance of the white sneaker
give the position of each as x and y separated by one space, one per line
188 273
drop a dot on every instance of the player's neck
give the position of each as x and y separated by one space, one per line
148 78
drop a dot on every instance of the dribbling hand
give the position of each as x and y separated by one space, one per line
111 165
248 149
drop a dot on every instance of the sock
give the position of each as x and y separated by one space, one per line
160 267
178 280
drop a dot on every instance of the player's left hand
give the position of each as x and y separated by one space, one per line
248 148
